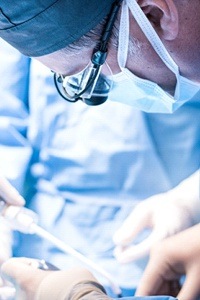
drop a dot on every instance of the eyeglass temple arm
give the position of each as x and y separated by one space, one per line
100 55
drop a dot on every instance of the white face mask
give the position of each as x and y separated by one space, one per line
143 94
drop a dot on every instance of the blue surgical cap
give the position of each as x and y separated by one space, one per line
40 27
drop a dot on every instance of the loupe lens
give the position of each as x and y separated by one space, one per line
76 84
90 85
100 92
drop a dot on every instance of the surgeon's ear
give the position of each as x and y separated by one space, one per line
163 15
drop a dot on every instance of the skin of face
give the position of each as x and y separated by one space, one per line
176 22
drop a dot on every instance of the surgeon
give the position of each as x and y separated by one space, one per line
83 177
153 69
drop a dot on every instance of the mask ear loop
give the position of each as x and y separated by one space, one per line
152 36
123 41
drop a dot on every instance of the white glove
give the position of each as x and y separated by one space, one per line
9 193
5 253
11 196
166 214
7 293
5 240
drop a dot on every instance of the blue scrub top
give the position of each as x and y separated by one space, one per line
83 169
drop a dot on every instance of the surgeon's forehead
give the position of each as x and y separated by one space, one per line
67 63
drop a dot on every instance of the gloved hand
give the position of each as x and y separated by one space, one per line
5 253
34 284
9 193
11 196
166 214
5 241
170 259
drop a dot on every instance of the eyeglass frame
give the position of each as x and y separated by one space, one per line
98 58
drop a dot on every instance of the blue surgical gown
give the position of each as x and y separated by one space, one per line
83 169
